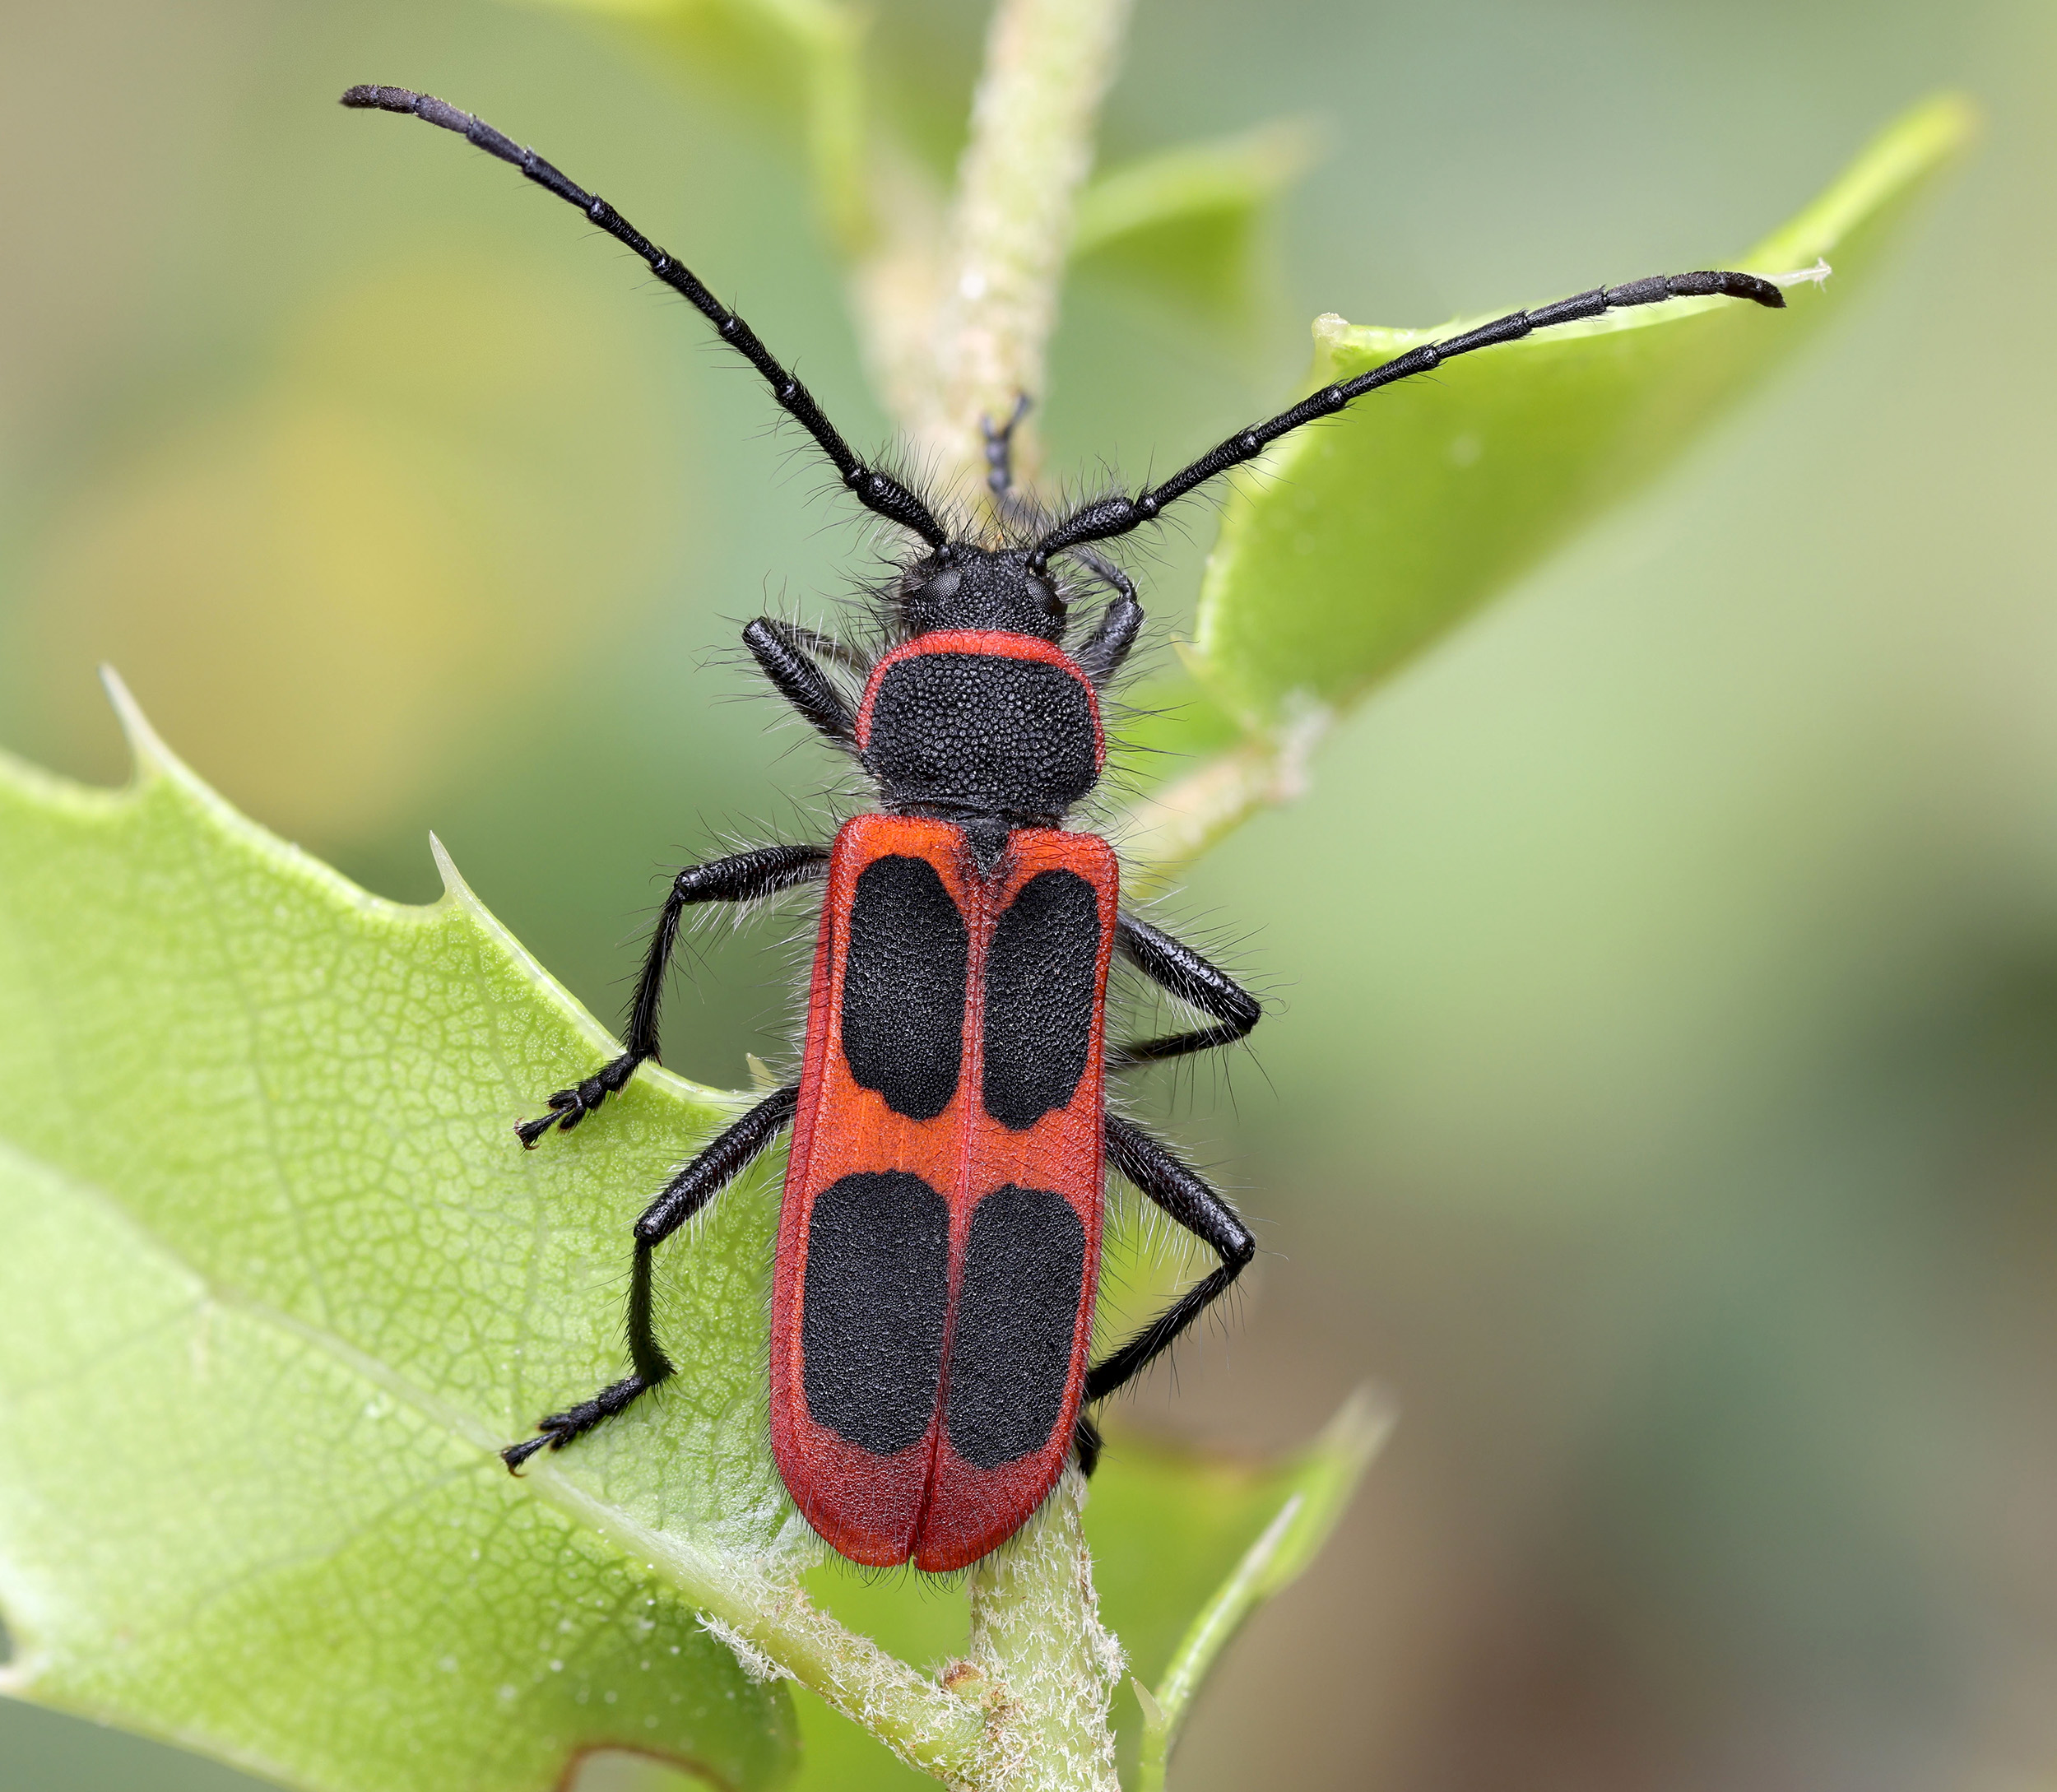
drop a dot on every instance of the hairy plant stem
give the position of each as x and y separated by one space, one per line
1048 65
1025 1711
1037 1642
1047 1667
926 1725
1039 1659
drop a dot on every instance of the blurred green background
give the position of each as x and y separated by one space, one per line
1661 1097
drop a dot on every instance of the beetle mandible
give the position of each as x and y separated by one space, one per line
938 1238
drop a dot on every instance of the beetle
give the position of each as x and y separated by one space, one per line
939 1236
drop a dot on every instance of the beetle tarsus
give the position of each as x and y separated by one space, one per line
561 1428
568 1106
515 1455
1085 1444
999 443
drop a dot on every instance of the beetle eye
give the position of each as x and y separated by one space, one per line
1052 605
944 586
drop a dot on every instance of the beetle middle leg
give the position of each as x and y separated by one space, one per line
1180 1193
740 878
727 1157
1176 968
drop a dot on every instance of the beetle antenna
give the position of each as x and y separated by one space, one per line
878 492
1106 517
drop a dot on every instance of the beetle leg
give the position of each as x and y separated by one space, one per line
784 655
1182 1194
1000 444
1175 966
1100 655
724 1159
763 872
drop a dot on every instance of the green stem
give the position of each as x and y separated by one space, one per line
1047 1666
1037 1643
1162 833
1164 1709
1048 65
955 333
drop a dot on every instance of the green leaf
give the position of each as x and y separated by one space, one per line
279 1281
1184 227
1364 538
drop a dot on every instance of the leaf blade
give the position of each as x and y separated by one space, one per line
182 995
1371 537
1184 227
129 1612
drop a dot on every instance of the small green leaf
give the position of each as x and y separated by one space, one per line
1185 227
279 1280
1363 539
1302 1501
798 60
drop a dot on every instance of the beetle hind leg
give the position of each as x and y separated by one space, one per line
1086 1443
1182 1195
730 1153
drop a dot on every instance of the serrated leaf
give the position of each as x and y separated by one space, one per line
1362 540
1184 227
278 1281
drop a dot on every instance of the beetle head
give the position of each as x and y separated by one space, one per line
964 587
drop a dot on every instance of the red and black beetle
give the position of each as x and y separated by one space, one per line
939 1244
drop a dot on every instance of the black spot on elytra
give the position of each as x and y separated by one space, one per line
904 986
872 1317
1024 1264
1040 975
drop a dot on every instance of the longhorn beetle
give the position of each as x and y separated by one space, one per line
939 1241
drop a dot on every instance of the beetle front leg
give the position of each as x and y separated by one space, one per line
784 653
724 1159
999 449
763 872
1182 1194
